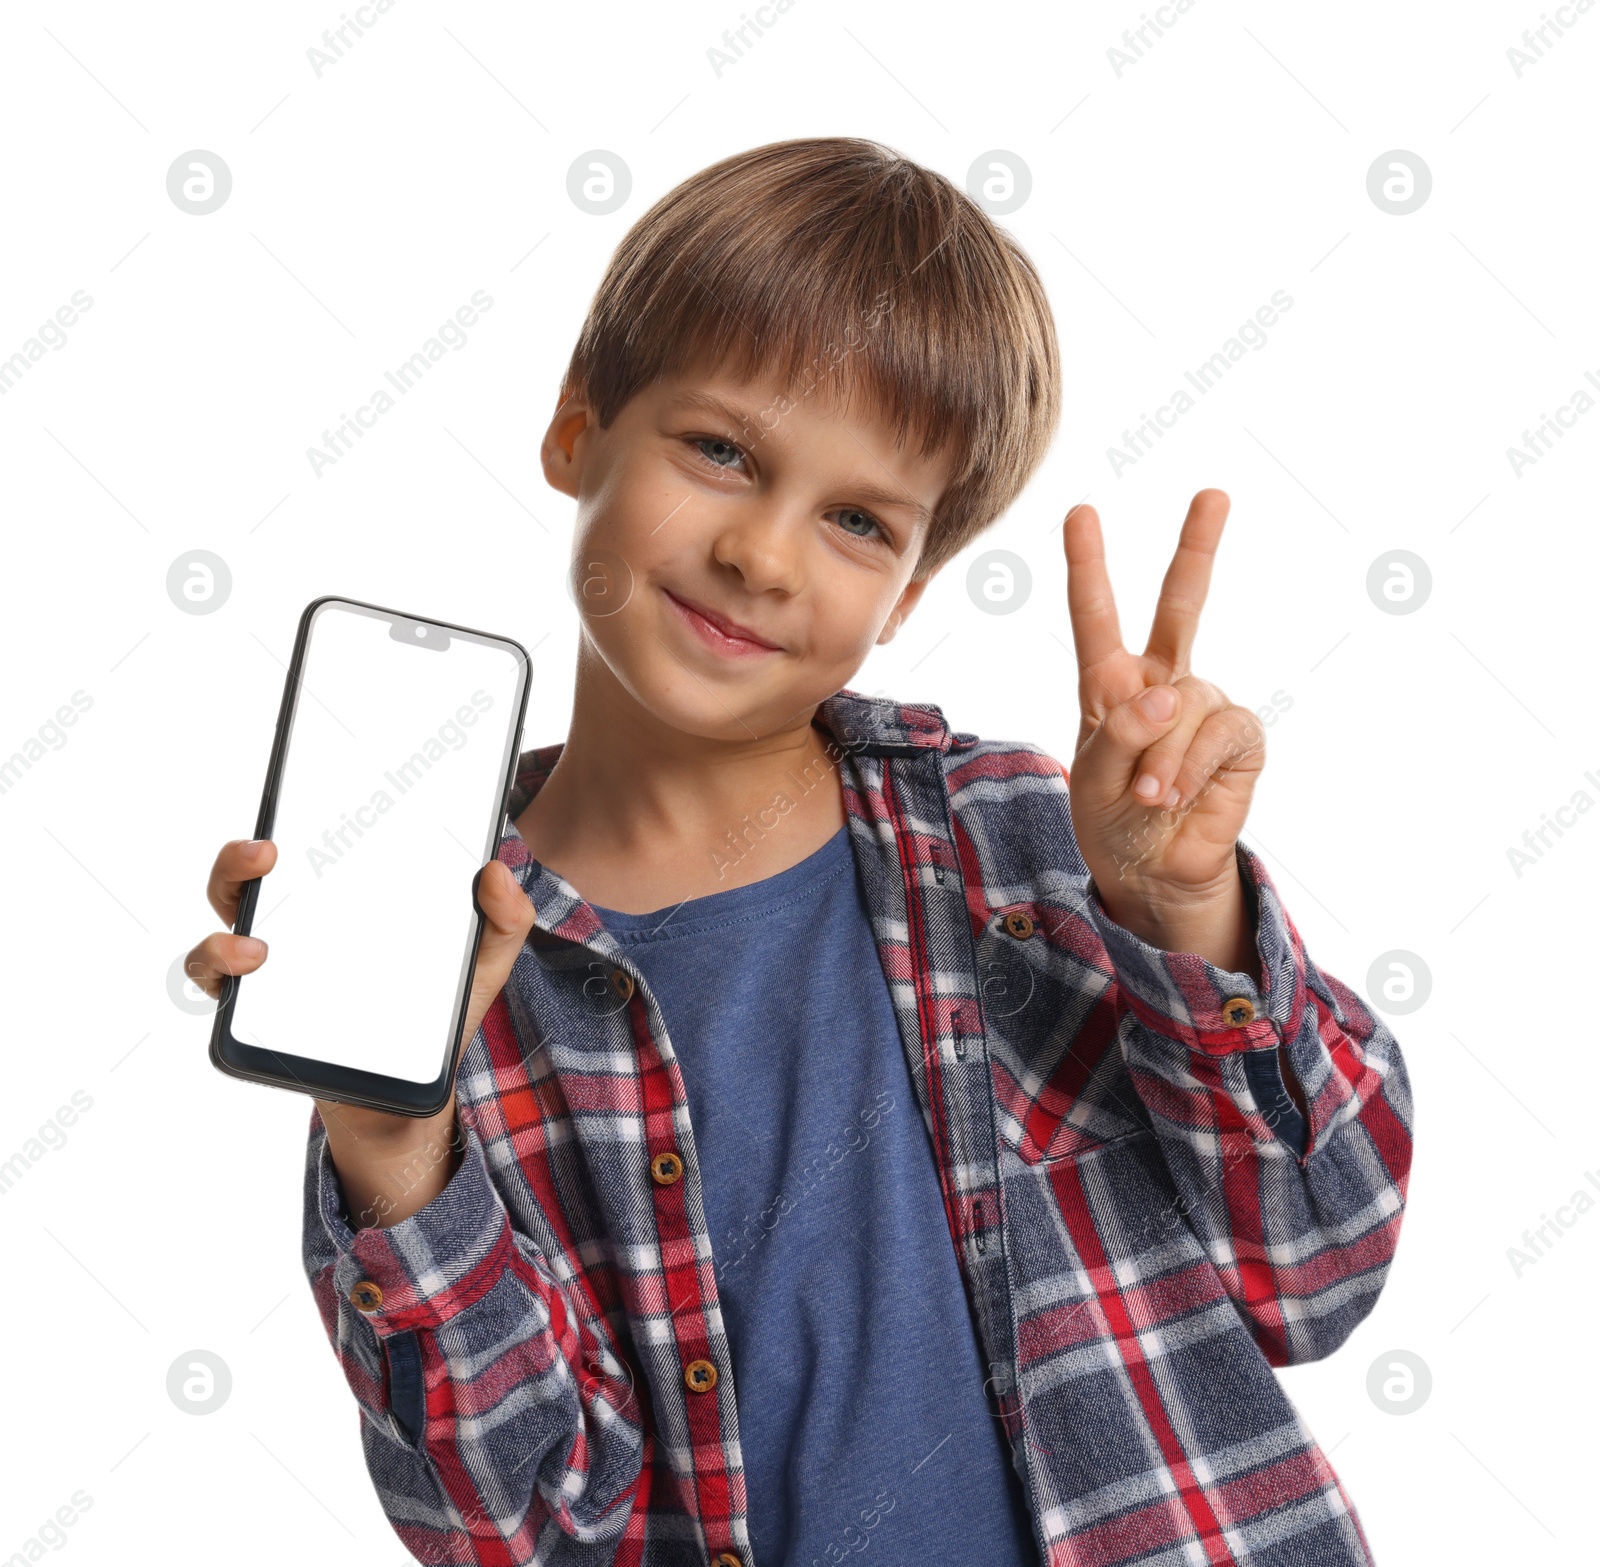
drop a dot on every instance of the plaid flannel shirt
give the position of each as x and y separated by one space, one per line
1144 1224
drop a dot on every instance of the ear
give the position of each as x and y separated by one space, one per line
559 452
903 607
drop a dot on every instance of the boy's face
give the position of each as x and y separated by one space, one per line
786 517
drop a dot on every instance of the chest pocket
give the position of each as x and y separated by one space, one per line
1050 1011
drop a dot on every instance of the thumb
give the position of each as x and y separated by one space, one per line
507 918
506 908
1105 766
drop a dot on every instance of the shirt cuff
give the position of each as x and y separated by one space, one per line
1185 997
424 1270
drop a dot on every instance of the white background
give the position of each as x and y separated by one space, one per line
1167 204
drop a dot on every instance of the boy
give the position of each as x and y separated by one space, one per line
989 1130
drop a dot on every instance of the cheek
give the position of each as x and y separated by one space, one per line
602 584
611 511
622 536
850 618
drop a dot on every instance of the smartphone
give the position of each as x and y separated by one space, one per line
391 770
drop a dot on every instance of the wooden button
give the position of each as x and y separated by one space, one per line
622 983
1238 1010
1017 924
665 1168
366 1296
727 1559
700 1375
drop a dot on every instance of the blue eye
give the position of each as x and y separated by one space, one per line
702 441
855 511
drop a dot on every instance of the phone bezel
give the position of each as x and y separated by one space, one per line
326 1079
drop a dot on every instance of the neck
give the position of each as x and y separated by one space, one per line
634 803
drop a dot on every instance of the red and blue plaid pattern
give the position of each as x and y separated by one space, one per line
1143 1229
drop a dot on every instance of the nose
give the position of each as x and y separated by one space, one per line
765 544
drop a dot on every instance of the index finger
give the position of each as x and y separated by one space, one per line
1090 603
1183 588
237 862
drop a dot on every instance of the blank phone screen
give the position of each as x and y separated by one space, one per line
389 800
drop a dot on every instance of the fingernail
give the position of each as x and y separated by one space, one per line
1148 786
1159 701
250 947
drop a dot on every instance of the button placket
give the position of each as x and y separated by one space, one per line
912 789
667 1170
598 969
963 1024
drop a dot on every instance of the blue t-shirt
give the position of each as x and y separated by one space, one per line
860 1380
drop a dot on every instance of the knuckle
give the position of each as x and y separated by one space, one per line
1247 729
1205 694
1129 724
1118 725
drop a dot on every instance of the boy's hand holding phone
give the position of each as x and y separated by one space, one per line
389 1165
1165 764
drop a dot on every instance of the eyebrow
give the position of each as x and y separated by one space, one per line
880 494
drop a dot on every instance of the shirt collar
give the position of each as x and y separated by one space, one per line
860 725
881 726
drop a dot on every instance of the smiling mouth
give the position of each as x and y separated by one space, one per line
712 634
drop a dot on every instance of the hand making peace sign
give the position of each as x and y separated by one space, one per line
1173 848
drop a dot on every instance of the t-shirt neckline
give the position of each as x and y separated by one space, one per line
734 902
